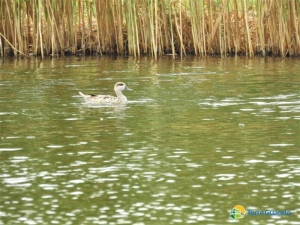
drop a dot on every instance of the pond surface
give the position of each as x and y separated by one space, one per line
196 138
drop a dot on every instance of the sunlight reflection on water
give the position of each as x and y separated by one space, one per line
181 152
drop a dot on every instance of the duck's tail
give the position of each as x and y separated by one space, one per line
83 95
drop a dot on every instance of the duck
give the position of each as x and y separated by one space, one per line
108 99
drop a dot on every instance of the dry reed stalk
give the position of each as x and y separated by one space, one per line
273 26
236 28
70 36
171 30
260 31
178 26
51 36
130 11
89 20
214 25
223 29
203 30
119 28
101 25
82 24
109 39
247 28
1 47
295 29
152 27
280 28
8 27
39 29
228 26
210 25
216 33
155 35
195 18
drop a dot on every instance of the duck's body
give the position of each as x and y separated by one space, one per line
108 99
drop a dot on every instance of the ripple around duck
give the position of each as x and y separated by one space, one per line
144 100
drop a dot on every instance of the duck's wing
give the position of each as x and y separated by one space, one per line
91 95
106 99
98 99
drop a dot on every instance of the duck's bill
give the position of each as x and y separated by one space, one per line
127 89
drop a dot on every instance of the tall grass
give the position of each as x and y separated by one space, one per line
149 27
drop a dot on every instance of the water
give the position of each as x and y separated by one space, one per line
197 137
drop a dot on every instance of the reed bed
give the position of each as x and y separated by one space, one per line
149 27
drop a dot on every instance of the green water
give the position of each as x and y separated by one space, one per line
196 138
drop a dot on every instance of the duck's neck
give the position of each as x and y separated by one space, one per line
121 96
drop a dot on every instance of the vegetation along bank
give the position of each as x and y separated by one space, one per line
149 27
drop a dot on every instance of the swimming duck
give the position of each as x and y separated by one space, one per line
108 99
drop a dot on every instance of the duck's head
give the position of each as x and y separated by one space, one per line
120 86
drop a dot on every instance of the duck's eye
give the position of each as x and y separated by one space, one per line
120 84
